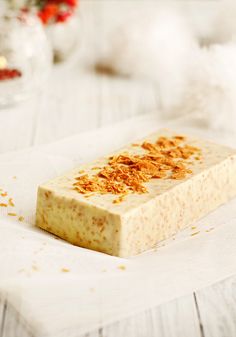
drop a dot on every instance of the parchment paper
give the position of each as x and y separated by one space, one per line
63 290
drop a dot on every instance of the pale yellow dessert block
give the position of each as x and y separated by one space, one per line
141 220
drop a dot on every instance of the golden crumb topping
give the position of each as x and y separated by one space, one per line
126 173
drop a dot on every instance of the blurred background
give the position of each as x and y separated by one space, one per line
69 66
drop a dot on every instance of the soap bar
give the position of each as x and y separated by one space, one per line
126 203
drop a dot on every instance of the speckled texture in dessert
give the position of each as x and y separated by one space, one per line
140 221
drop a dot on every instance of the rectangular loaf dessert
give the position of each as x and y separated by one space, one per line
126 203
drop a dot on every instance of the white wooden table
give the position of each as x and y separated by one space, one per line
77 99
84 101
209 312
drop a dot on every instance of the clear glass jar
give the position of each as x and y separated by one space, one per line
25 56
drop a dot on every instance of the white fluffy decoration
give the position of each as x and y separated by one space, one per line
210 96
141 47
195 75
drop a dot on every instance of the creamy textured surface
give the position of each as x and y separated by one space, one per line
142 220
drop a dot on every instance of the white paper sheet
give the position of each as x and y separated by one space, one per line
96 291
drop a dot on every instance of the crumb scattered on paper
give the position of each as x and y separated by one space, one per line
122 267
195 233
35 268
210 229
65 270
10 202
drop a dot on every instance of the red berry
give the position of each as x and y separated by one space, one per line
57 10
71 3
8 74
48 12
63 16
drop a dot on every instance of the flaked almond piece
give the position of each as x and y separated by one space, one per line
10 202
125 173
179 137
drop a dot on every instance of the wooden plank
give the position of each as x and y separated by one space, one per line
12 323
217 309
173 319
211 314
103 100
16 126
2 315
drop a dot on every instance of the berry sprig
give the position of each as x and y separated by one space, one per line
51 11
9 74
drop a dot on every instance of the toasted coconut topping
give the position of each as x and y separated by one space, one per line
126 173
